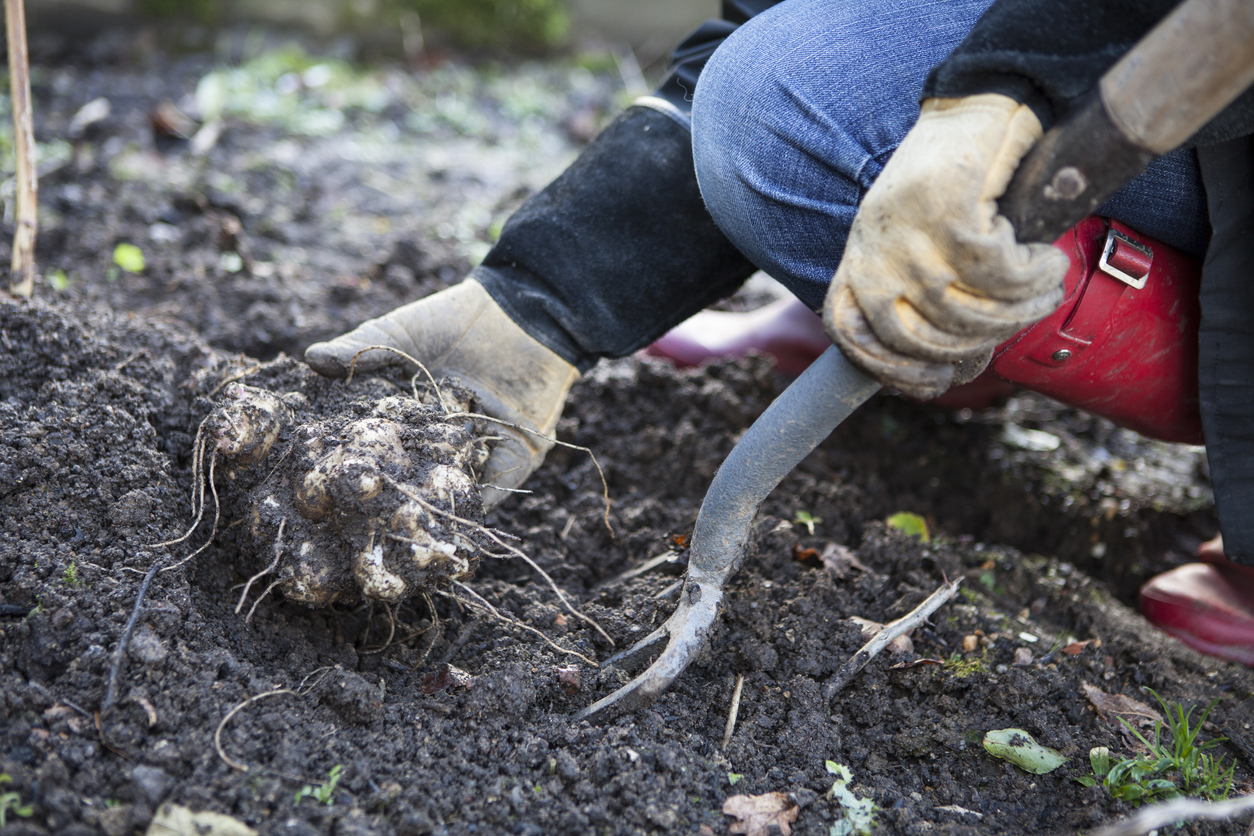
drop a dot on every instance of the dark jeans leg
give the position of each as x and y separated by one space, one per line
1226 341
620 248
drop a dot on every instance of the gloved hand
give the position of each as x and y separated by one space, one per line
461 332
932 278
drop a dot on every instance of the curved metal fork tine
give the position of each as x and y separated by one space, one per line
688 629
634 655
792 426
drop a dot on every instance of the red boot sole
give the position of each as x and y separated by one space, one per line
1208 607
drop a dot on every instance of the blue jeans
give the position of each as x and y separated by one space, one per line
796 113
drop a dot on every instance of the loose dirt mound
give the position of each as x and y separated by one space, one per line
89 483
443 718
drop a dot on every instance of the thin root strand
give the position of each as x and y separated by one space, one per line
561 596
605 486
482 603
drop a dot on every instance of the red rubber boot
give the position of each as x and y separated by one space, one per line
785 329
1208 606
793 334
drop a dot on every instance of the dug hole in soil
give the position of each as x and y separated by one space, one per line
437 717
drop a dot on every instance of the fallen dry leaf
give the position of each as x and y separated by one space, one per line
176 820
803 554
1076 648
759 813
839 560
569 679
446 676
1110 707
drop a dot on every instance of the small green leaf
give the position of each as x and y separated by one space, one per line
807 519
859 812
58 280
129 257
1099 757
1018 747
911 524
1086 780
733 777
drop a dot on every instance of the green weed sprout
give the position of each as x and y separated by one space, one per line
324 793
910 524
11 802
70 577
807 519
859 817
1174 765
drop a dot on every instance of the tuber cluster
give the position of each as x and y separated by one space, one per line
342 493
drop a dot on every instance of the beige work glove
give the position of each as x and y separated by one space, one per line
932 278
462 333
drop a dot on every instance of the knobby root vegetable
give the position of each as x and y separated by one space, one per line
342 495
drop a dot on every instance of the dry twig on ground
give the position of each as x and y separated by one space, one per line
733 712
882 639
1157 816
111 692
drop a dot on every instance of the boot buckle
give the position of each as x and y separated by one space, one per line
1126 259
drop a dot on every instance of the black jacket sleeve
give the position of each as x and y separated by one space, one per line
1049 54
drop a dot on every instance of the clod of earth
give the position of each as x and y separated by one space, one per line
343 495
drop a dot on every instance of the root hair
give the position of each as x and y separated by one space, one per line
605 486
477 600
352 368
519 553
274 564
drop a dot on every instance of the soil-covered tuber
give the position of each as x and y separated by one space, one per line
343 492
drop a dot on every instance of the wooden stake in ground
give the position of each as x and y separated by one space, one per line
22 279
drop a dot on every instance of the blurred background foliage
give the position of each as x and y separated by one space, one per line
510 24
482 23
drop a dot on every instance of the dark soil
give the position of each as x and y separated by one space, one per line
98 415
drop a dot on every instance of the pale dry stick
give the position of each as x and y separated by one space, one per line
117 367
111 692
605 486
519 553
733 712
278 553
483 602
217 735
884 637
1167 813
504 489
352 368
22 277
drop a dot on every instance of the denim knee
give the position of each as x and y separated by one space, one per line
796 113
